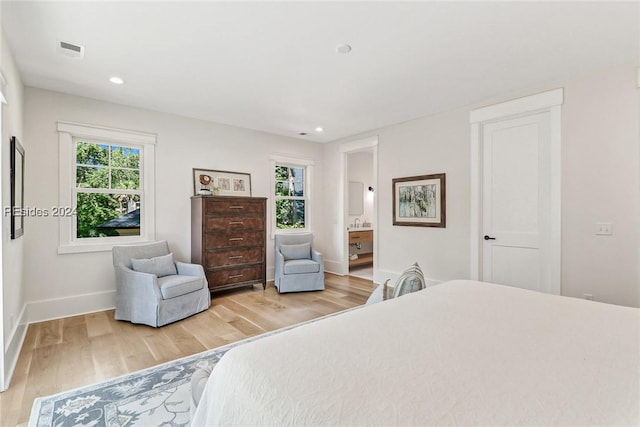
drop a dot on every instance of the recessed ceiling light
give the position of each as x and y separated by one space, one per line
116 80
319 129
343 48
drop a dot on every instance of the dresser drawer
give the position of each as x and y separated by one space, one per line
360 236
231 239
213 223
233 257
235 275
235 208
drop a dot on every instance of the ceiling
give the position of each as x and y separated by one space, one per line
273 66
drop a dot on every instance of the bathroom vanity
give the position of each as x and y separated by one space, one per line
365 238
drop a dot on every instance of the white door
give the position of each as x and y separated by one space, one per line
516 202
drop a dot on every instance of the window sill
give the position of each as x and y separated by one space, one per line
95 247
291 231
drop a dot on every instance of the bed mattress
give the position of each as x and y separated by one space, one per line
459 353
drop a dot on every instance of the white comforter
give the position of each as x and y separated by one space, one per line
459 353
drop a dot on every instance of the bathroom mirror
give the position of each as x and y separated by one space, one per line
356 205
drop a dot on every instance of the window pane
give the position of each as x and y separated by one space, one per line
125 178
124 157
298 189
105 215
282 173
297 174
92 154
282 188
92 177
290 214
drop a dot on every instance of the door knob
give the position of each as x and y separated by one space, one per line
489 238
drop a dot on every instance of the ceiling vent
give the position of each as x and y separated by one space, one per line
71 49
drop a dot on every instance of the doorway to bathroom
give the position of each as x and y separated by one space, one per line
361 212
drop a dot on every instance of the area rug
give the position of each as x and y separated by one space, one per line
157 396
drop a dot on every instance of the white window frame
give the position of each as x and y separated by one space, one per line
298 162
68 134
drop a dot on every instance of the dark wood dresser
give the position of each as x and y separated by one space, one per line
228 238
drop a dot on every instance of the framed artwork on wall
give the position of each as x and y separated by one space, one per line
16 159
208 182
420 201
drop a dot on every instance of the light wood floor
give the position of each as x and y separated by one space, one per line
62 354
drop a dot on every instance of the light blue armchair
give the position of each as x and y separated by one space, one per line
298 267
154 290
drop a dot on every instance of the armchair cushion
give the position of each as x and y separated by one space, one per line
159 266
174 286
301 251
300 266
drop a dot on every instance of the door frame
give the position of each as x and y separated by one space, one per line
366 144
5 373
551 102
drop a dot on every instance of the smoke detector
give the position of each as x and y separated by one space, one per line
70 49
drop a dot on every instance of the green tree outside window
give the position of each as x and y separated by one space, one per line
290 197
107 190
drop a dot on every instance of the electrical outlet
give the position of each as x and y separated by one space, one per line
604 229
588 296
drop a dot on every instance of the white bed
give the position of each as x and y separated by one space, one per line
459 353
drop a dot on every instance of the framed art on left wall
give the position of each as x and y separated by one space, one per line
17 187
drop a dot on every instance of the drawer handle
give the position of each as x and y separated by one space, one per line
235 239
235 207
355 237
236 257
235 276
236 223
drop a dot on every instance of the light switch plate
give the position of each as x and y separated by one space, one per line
604 229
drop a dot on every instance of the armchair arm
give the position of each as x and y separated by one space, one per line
317 257
279 264
135 284
186 269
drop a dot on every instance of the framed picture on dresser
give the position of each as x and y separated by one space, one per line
207 182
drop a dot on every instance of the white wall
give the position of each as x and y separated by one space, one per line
12 300
428 145
85 282
600 170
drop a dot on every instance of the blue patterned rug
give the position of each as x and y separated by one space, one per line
157 396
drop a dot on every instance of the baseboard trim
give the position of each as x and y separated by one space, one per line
13 348
57 308
334 267
333 272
